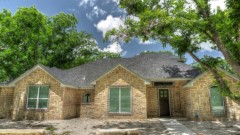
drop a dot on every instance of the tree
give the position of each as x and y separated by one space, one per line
185 25
222 64
29 37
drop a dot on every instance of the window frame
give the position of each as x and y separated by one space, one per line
119 87
223 103
89 98
37 103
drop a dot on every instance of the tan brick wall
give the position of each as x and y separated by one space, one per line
152 101
197 100
177 102
70 103
55 106
6 102
73 105
187 110
120 77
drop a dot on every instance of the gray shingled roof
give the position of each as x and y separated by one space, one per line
147 66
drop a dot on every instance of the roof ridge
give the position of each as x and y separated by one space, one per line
126 58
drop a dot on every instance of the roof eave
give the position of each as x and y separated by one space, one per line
12 84
229 74
169 79
190 84
5 85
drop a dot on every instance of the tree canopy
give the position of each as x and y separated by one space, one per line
184 25
29 37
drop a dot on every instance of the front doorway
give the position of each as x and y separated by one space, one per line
164 102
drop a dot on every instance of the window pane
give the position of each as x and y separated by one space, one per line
32 103
32 91
43 103
114 100
43 93
216 98
87 98
216 101
125 100
165 93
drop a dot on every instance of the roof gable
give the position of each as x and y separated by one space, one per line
38 66
191 83
145 81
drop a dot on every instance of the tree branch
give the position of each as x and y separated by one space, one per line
216 75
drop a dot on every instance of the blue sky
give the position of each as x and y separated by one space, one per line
96 17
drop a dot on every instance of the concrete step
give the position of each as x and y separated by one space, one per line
180 118
22 132
118 132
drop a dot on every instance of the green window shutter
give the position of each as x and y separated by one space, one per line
216 101
114 100
125 100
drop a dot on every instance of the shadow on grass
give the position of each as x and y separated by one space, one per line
214 127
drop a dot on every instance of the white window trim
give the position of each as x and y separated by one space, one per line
119 111
37 98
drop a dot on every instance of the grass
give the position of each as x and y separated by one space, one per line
52 129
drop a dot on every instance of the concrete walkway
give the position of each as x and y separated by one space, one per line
176 128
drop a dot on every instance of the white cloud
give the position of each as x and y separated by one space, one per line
190 4
96 12
85 3
206 46
135 18
109 23
217 3
213 4
116 1
115 47
146 42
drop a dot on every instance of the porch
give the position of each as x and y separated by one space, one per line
165 99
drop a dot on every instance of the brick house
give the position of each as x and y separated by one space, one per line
145 86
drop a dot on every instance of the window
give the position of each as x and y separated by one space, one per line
163 93
37 97
87 98
216 101
120 100
163 84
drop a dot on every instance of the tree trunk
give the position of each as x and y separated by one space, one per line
226 54
216 38
216 75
